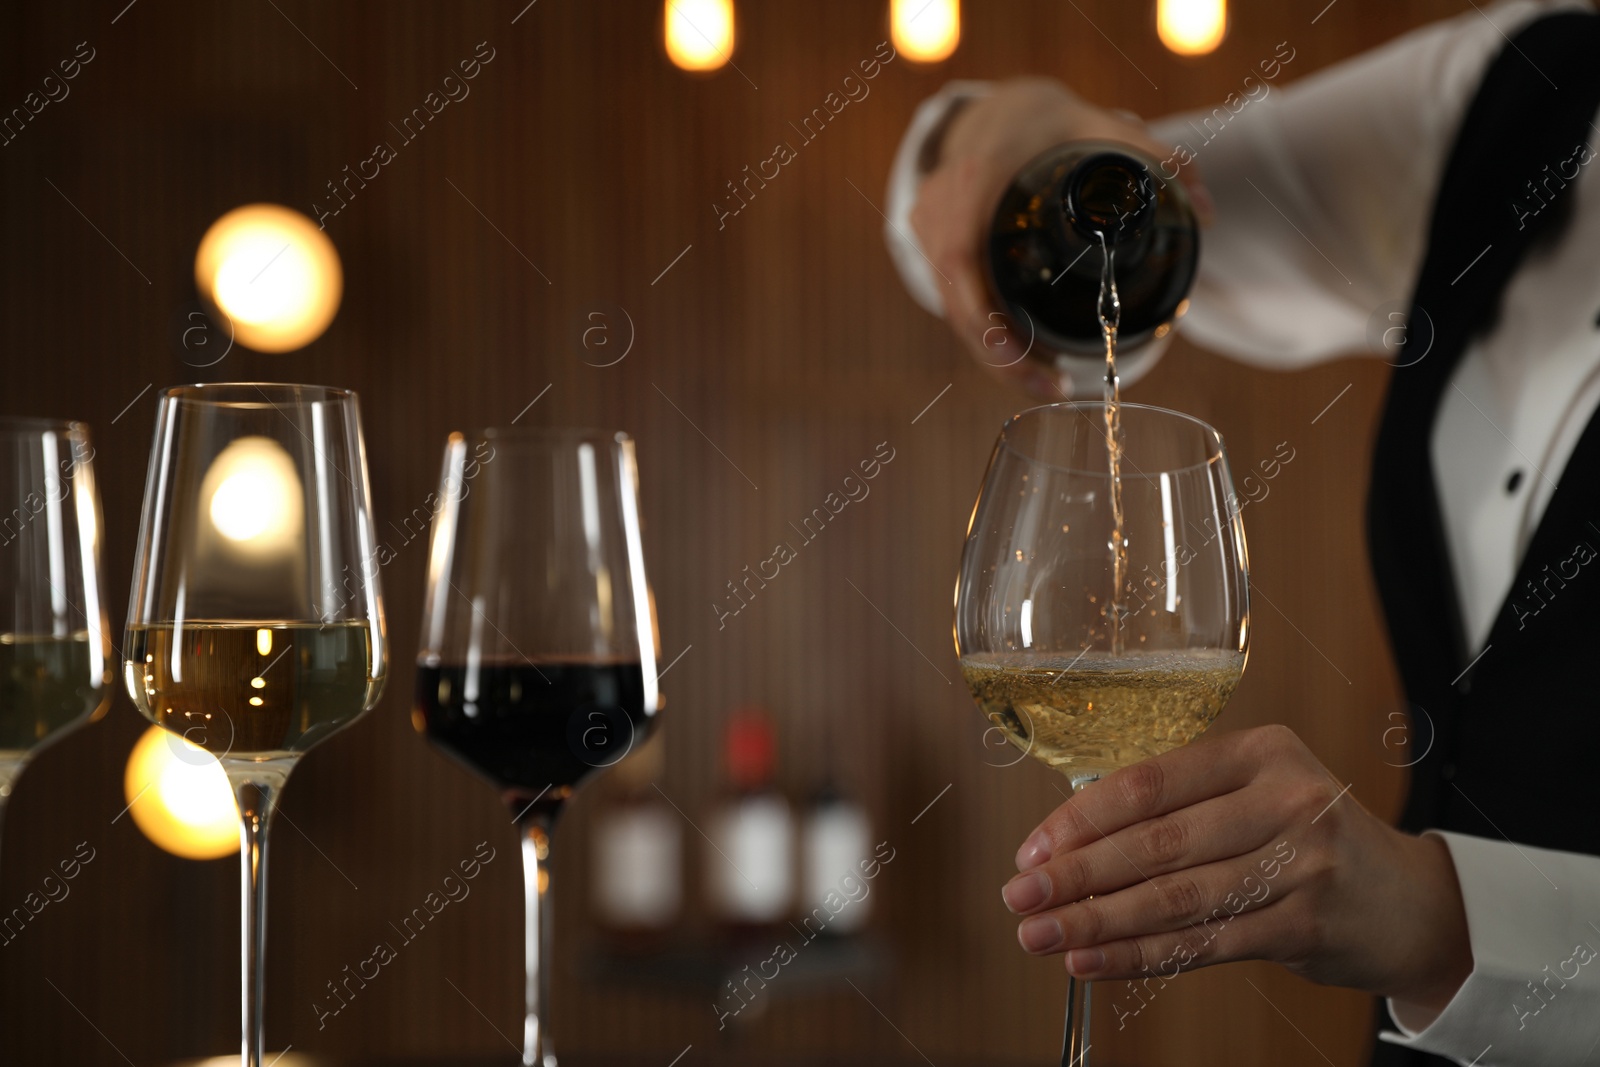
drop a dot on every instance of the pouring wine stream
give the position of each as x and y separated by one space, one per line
1109 308
1075 1033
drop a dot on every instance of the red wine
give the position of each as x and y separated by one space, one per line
534 729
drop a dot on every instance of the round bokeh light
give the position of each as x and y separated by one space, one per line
272 273
180 797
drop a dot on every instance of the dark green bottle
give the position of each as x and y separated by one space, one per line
1045 248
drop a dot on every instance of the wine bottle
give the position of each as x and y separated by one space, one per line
835 848
1056 223
637 857
750 871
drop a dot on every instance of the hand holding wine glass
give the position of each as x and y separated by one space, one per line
1239 847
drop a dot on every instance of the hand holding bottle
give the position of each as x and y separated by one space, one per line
984 146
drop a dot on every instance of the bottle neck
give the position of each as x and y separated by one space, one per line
1110 198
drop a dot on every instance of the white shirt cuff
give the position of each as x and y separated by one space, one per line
904 180
1533 996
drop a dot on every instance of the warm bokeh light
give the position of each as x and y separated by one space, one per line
1191 27
272 273
925 31
699 33
180 797
252 496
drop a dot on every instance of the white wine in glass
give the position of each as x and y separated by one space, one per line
1074 671
56 669
255 625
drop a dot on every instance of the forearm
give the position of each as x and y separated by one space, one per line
1533 993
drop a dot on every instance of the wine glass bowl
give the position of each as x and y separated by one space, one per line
538 658
55 646
1076 676
255 623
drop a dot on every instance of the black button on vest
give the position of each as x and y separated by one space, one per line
1515 738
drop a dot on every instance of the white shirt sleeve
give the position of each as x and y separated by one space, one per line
1324 189
905 178
1533 997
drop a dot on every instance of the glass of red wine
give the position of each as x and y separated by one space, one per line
539 652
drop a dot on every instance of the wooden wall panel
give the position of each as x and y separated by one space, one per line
777 352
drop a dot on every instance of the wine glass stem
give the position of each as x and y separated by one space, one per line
1075 1041
537 927
256 799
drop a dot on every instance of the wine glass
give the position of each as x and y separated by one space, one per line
55 645
255 624
539 649
1083 660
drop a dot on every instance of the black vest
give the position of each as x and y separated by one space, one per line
1513 743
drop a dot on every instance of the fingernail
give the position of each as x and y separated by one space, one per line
1034 851
1085 961
1026 892
1040 934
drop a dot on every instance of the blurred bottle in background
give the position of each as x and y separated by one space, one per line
835 843
749 873
636 856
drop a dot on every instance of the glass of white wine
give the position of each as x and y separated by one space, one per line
1102 608
255 624
55 645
